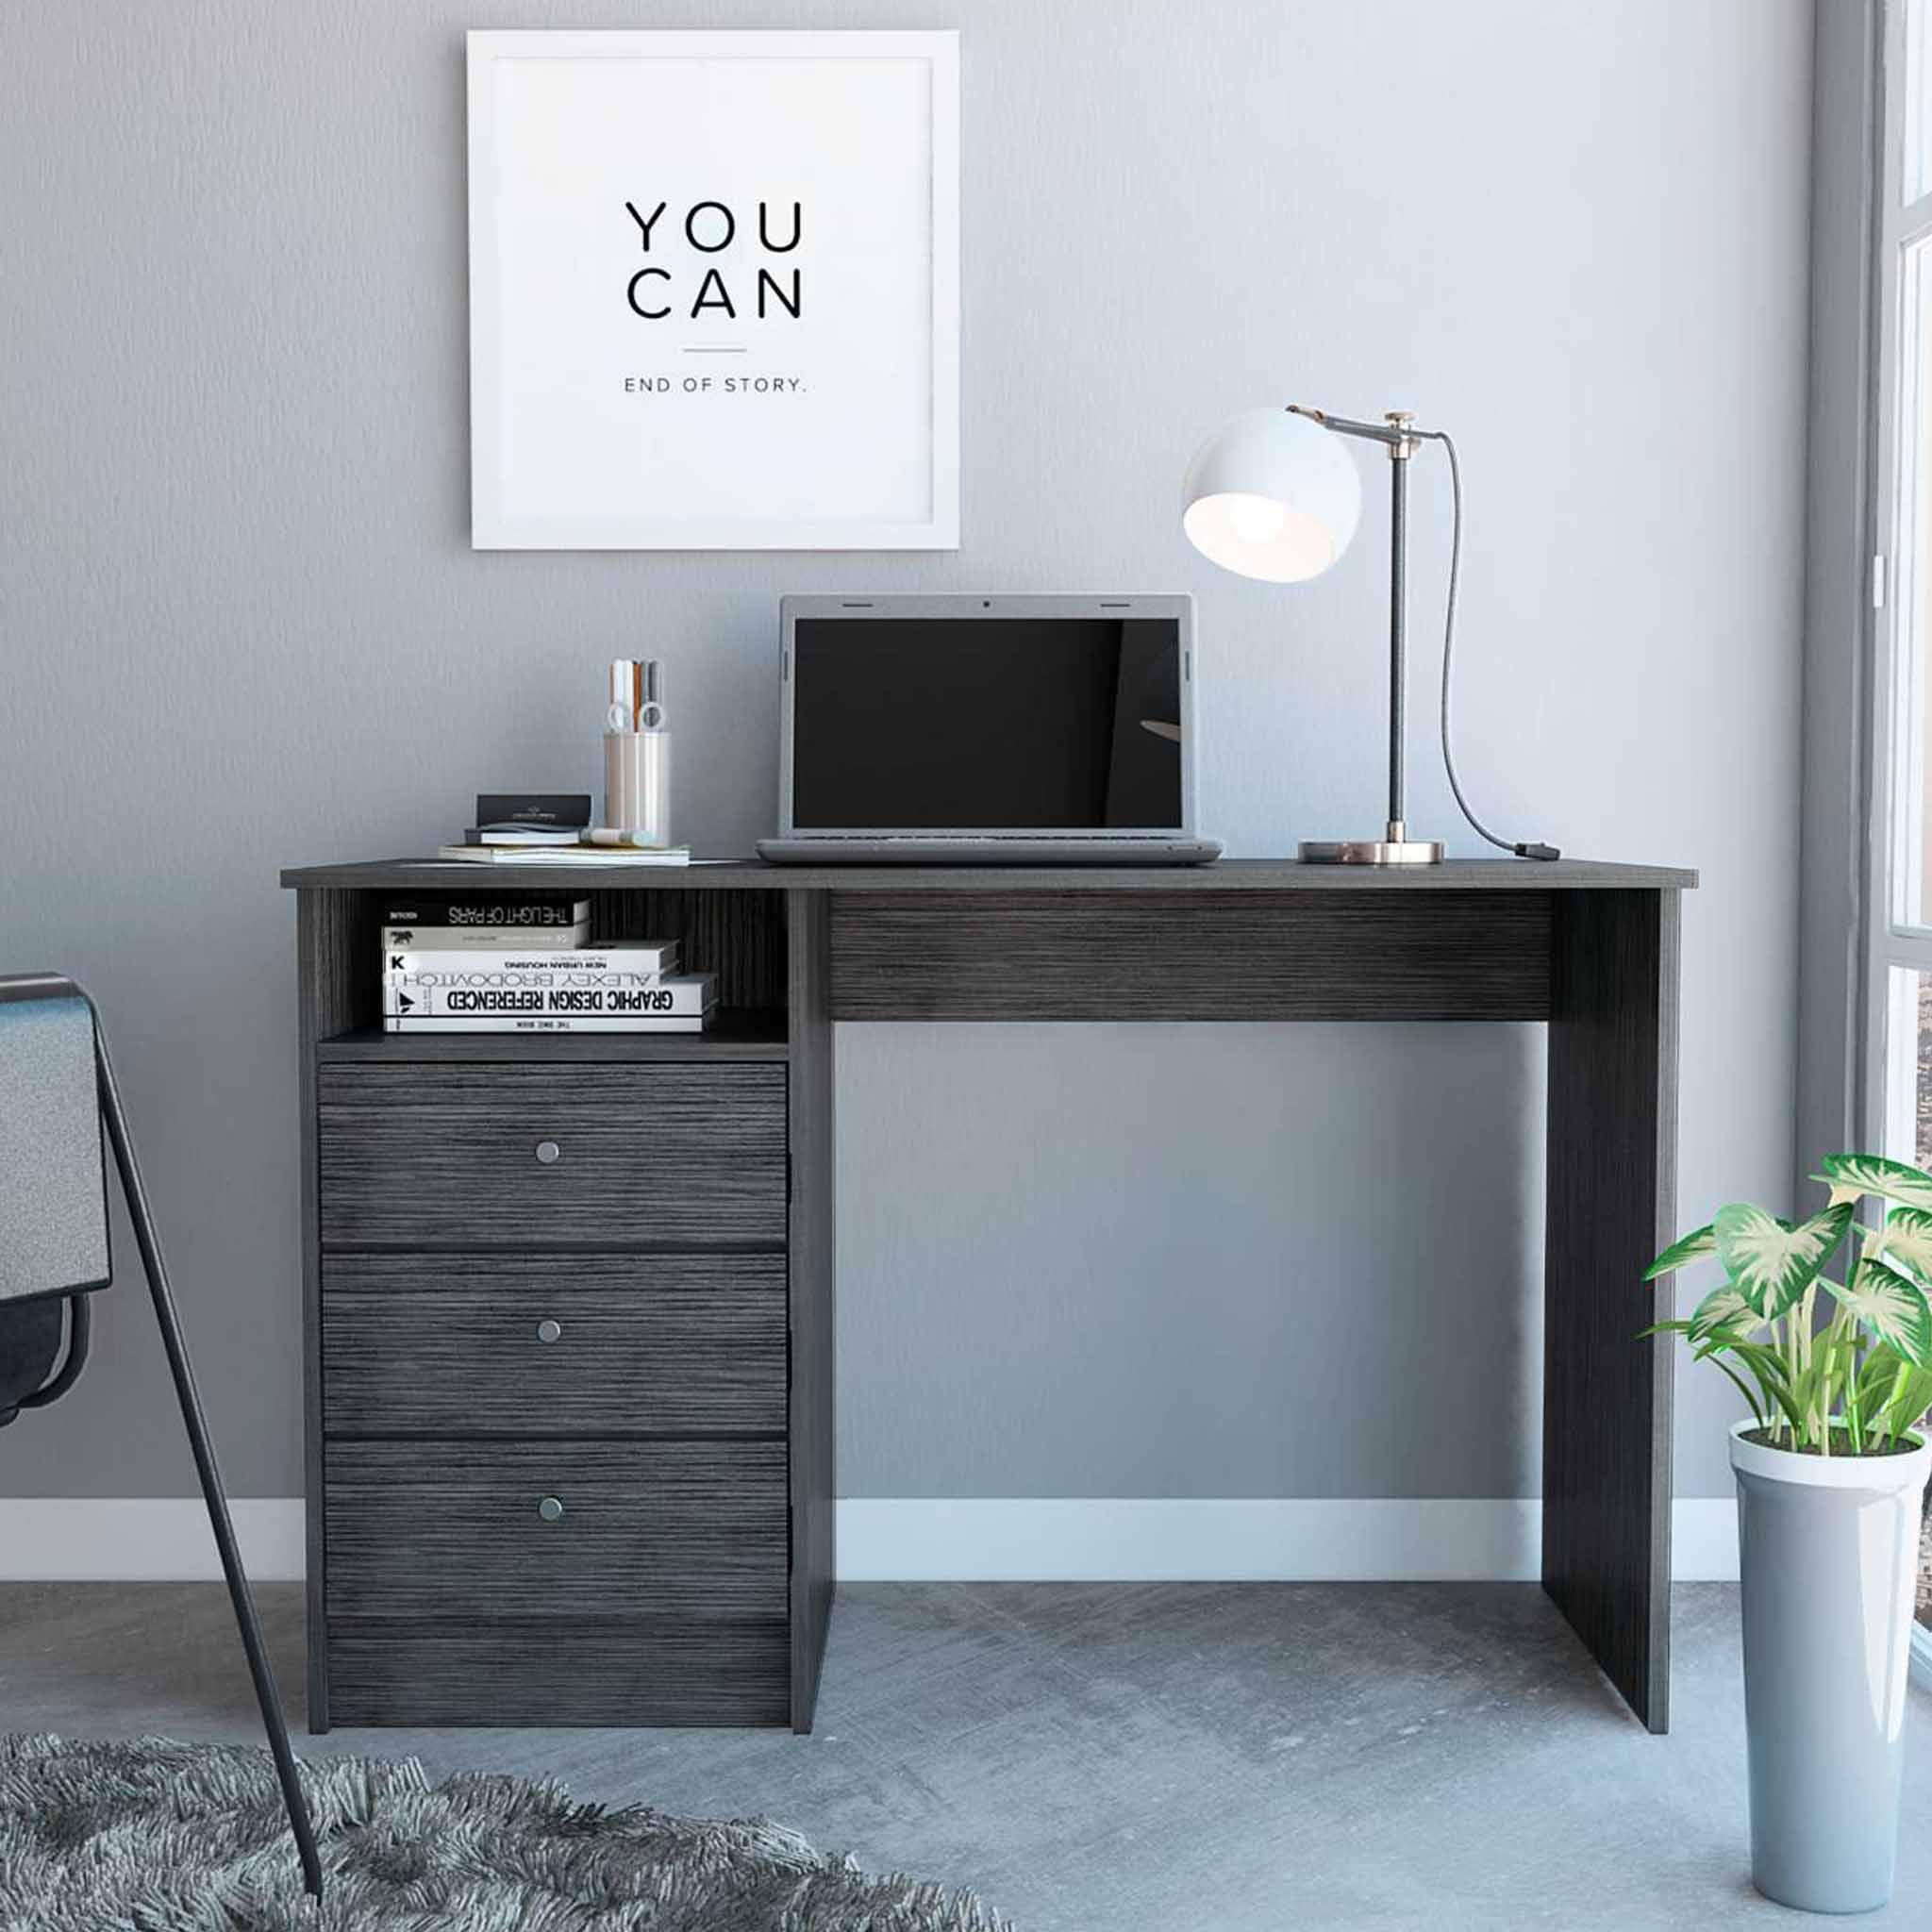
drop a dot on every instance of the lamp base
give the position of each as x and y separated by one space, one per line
1395 851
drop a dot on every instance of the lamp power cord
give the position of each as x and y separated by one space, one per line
1527 848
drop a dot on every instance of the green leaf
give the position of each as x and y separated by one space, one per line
1723 1308
1890 1306
1719 1342
1872 1173
1787 1405
1771 1264
1810 1383
1762 1360
1907 1409
1907 1237
1766 1366
1744 1389
1877 1373
1892 1401
1697 1246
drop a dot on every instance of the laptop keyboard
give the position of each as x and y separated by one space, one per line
1003 848
984 838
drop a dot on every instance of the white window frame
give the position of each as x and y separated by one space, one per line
1898 928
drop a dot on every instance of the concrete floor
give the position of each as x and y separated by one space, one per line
1158 1757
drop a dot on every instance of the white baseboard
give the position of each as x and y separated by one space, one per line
1704 1539
144 1540
1108 1539
932 1539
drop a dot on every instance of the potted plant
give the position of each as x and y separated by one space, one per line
1831 1474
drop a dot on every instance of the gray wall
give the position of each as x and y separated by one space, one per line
243 628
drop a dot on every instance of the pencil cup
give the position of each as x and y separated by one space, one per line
637 785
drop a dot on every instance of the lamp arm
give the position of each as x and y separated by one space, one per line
1392 435
1395 434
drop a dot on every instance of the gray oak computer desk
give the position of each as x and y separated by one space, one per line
568 1298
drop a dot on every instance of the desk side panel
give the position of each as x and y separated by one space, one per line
1149 954
335 981
1613 1206
811 1256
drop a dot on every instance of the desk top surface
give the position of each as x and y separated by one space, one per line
1230 874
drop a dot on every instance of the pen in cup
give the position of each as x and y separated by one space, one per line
651 697
637 756
621 714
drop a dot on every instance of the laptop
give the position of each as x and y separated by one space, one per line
988 731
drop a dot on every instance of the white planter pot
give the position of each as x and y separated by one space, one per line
1829 1551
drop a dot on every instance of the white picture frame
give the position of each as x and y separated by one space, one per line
660 223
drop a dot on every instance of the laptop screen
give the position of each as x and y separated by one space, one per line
994 724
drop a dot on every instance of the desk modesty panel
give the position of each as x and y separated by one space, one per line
472 1488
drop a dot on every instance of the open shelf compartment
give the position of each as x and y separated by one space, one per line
737 937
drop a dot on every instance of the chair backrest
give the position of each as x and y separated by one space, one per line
52 1168
53 1184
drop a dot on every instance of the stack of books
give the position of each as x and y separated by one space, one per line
593 848
529 818
551 829
521 962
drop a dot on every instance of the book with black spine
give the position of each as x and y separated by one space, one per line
500 812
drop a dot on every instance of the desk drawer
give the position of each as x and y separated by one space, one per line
535 1156
584 1345
458 1529
545 1671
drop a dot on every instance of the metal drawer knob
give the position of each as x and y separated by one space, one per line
549 1331
548 1153
551 1510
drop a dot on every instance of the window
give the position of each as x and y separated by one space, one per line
1900 899
1899 987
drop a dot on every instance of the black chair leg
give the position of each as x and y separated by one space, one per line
266 1694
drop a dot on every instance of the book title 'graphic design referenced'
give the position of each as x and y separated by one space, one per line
655 293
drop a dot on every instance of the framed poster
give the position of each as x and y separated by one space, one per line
714 291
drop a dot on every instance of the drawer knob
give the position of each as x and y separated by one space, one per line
551 1510
549 1331
548 1153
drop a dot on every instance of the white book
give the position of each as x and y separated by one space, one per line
522 939
580 966
519 908
686 1023
567 855
535 995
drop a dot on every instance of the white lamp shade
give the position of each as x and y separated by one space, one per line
1274 497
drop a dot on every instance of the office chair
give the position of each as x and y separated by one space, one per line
57 1091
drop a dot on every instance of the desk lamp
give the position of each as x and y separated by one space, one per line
1275 497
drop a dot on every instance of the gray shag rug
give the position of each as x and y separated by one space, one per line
152 1835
